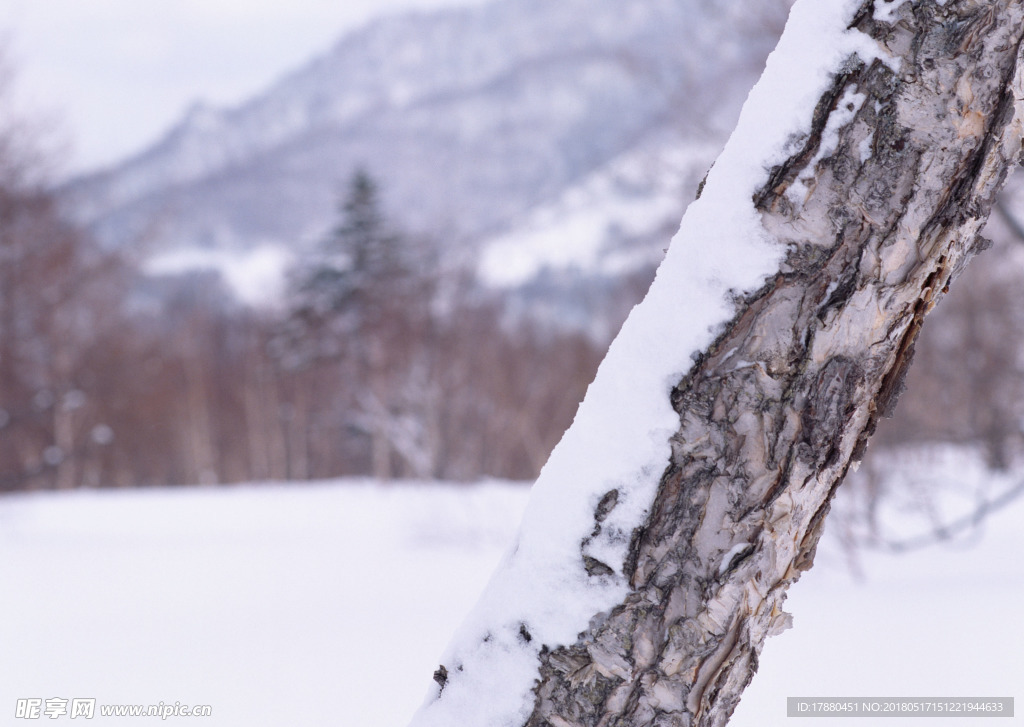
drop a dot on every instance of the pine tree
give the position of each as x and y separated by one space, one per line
342 291
355 313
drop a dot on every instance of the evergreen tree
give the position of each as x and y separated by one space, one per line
354 315
344 289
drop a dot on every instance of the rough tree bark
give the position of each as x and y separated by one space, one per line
879 208
777 410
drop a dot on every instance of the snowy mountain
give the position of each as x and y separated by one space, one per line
521 126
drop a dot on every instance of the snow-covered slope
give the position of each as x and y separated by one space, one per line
329 604
477 122
592 226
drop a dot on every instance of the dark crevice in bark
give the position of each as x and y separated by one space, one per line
441 676
863 14
783 175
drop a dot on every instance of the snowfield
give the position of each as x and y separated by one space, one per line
330 604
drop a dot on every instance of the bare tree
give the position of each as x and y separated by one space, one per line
878 204
58 300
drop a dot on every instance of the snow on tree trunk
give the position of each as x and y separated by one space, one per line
692 488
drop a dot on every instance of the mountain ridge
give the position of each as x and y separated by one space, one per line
471 118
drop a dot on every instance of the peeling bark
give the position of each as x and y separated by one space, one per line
877 222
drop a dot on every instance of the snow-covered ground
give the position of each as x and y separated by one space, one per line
329 604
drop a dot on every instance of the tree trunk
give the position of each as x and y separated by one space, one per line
879 205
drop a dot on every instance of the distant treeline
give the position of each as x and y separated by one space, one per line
384 359
374 365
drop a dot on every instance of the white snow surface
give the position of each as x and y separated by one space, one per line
620 437
329 603
886 11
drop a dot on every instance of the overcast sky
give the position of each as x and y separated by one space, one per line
115 74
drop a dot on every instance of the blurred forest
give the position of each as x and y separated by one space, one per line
385 359
376 365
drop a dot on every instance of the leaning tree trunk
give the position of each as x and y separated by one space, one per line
879 206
